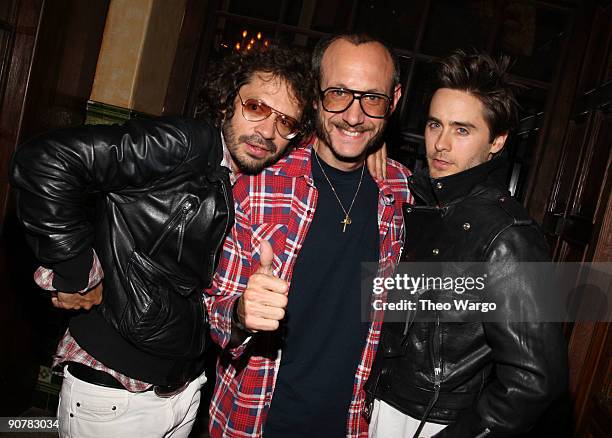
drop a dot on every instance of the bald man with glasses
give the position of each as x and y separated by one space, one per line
285 305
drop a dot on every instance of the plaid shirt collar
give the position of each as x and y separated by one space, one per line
298 163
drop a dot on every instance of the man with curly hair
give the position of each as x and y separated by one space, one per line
233 97
141 210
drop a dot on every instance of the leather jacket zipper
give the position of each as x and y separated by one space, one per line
437 375
186 207
180 217
437 354
225 229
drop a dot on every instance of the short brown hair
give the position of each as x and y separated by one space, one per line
486 79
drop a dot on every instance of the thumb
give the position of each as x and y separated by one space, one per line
266 257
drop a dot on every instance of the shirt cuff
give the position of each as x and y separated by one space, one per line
88 263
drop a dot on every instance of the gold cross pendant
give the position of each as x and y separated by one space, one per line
346 221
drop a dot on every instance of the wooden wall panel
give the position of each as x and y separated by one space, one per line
12 106
51 67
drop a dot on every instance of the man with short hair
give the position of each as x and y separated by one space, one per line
146 205
476 378
285 304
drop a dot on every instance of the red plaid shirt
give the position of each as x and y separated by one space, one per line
278 205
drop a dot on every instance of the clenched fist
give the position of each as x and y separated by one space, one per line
77 301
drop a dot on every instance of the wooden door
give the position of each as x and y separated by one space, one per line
578 216
48 55
18 21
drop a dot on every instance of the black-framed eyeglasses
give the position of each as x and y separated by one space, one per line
337 100
254 110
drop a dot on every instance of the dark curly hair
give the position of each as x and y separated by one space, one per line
228 75
486 79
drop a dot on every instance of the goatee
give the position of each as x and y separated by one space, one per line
244 162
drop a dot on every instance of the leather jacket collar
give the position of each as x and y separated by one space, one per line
453 188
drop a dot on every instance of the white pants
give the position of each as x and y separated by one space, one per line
388 422
87 410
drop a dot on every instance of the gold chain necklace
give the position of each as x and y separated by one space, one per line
347 218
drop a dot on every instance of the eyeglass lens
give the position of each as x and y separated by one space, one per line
255 111
338 100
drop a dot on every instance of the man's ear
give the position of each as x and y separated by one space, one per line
397 94
498 143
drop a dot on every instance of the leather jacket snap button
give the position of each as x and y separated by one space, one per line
408 210
466 226
435 251
439 186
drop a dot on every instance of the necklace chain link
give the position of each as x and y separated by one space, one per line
347 218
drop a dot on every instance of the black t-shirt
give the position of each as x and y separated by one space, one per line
323 334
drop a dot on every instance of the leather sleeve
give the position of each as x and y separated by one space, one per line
530 358
57 175
72 275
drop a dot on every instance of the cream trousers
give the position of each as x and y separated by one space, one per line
87 410
388 422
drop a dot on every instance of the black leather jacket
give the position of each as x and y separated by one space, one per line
489 379
153 201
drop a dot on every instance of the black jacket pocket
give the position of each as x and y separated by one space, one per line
164 314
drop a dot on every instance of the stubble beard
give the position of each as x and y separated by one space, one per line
243 161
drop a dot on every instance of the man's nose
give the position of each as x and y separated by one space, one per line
443 141
266 127
354 115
